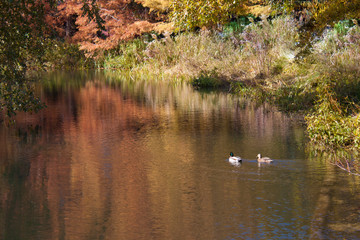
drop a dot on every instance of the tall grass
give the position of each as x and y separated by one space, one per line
261 49
268 46
191 55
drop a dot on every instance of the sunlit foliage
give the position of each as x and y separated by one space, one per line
330 12
156 5
335 121
190 14
322 12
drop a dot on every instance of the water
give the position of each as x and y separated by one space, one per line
120 159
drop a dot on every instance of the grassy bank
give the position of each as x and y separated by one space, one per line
259 51
260 61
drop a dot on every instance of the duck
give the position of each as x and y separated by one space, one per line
234 159
263 159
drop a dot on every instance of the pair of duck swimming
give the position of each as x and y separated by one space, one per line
236 159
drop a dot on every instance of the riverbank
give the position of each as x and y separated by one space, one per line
264 61
261 62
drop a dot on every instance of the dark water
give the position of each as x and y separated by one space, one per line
127 159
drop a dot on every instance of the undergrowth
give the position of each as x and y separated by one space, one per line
335 121
126 56
58 54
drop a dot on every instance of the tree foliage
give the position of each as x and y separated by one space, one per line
20 29
23 27
123 20
156 5
188 14
322 12
330 12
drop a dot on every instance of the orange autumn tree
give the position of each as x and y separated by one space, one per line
122 20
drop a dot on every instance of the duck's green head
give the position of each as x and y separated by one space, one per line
231 154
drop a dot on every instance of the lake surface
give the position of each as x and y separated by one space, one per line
111 158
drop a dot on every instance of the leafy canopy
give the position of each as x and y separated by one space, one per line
22 31
188 14
323 12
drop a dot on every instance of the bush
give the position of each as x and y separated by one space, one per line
337 60
126 56
330 125
207 80
62 55
335 122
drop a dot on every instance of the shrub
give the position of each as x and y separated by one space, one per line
335 122
207 80
337 58
61 55
126 56
330 124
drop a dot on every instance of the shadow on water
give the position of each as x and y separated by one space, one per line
111 158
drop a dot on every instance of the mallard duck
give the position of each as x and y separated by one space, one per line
263 159
234 159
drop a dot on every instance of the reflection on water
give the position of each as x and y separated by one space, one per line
125 159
